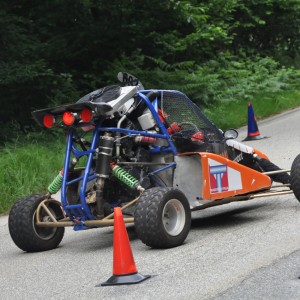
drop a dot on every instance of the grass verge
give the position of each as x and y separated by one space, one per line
27 170
234 114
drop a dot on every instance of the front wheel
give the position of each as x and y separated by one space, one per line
162 217
295 177
23 229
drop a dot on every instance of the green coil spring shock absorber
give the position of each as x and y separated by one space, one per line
55 185
126 178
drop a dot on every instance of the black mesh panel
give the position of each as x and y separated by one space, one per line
180 109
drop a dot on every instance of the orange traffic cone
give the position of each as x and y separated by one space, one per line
124 269
253 132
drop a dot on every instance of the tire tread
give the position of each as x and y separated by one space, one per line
148 222
21 227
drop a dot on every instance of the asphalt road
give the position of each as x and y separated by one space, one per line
246 250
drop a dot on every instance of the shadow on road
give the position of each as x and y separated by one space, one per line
226 219
98 238
102 238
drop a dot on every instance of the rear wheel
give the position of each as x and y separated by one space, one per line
295 177
162 218
22 225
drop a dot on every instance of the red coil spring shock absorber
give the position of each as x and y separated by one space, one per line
145 139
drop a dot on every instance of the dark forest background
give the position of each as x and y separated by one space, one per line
54 52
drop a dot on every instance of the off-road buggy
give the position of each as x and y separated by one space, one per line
151 152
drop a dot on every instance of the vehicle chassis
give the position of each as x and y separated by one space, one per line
84 219
180 181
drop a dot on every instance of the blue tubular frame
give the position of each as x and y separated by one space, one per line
158 121
81 212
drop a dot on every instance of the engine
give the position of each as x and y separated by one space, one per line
122 172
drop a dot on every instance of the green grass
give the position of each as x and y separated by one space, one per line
27 170
235 114
29 167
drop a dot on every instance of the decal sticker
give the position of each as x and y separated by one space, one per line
223 178
218 178
239 157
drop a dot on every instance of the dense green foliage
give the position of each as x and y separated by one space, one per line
221 53
53 52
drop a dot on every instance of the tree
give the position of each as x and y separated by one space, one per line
55 51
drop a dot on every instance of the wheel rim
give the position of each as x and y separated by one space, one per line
173 217
44 233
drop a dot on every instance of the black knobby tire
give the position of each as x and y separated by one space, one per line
23 230
295 177
268 166
162 217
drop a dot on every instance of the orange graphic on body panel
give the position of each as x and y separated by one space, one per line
224 178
